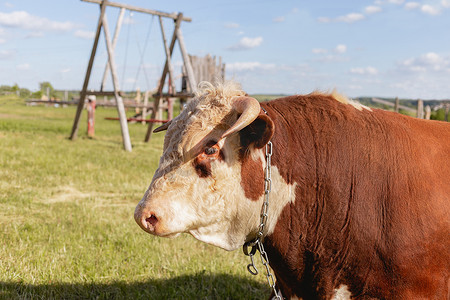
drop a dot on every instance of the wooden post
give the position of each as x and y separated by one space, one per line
138 99
186 60
427 112
163 77
447 108
397 104
168 56
144 109
420 109
170 101
80 106
114 42
119 101
91 116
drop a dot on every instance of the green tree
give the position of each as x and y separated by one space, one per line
438 115
47 85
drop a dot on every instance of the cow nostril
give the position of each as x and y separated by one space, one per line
152 220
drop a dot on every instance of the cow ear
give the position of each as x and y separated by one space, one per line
258 133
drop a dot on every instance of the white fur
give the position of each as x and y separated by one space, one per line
342 293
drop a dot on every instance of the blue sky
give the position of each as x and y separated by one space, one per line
383 48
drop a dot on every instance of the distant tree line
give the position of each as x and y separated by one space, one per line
14 90
45 89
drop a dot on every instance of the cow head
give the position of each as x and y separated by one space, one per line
206 183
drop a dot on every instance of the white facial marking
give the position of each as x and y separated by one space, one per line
342 293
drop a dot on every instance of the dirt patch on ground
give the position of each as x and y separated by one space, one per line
67 194
71 194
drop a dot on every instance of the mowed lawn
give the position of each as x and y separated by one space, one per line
66 217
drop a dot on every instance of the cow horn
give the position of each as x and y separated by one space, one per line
249 109
163 127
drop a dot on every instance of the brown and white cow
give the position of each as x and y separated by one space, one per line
360 201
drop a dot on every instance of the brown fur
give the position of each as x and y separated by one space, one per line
372 207
254 136
252 181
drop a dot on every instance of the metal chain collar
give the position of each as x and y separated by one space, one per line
257 244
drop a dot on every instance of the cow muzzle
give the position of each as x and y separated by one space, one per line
146 219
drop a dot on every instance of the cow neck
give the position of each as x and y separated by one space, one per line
257 242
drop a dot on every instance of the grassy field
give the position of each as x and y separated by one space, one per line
66 218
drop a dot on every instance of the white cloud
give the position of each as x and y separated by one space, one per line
340 49
66 70
85 34
324 20
429 62
6 54
330 58
350 18
35 34
372 9
247 43
412 5
319 51
22 19
2 41
445 3
364 71
398 2
9 5
279 19
249 66
326 55
23 67
294 10
430 10
231 25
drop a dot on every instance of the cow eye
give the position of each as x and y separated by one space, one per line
210 150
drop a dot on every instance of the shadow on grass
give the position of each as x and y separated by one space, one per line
198 286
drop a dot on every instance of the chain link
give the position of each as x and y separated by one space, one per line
257 244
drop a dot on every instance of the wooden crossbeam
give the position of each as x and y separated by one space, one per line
173 95
104 93
143 10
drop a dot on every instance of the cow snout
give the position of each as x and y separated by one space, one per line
147 220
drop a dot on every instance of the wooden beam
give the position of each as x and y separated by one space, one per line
119 102
76 121
381 101
142 10
167 51
140 120
187 60
163 76
114 42
174 95
104 93
420 109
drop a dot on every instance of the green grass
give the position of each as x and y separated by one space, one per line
66 217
